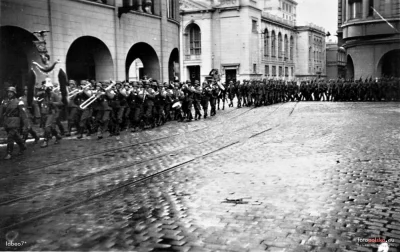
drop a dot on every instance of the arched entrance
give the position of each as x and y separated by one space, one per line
149 58
17 51
89 58
389 64
349 68
173 65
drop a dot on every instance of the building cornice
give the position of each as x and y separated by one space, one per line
353 43
366 21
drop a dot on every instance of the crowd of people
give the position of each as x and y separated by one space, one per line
98 107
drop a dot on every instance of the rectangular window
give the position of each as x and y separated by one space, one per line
355 8
274 71
254 68
286 71
280 71
254 25
370 5
266 70
291 69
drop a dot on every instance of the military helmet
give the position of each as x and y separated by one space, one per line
12 89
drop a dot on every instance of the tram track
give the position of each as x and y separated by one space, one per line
107 151
130 181
114 168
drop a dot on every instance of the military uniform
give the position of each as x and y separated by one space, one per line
12 112
50 110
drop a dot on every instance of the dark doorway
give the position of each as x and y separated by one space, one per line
349 68
89 58
16 52
230 75
390 63
173 65
149 58
194 73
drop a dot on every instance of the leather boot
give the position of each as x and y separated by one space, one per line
10 147
80 133
22 147
44 144
69 130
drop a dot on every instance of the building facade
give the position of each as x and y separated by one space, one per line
369 31
243 39
335 61
311 52
92 39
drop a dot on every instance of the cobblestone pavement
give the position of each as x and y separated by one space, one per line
309 176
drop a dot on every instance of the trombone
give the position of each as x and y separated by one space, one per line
94 97
77 91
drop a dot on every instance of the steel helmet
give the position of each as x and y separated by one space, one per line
12 89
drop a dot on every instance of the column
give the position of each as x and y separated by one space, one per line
365 9
347 10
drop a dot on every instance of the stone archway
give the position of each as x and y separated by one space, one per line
149 58
349 68
89 58
389 64
173 65
17 52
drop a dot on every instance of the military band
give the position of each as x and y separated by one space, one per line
100 107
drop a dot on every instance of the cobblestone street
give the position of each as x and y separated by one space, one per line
307 176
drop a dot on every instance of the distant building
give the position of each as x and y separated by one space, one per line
246 39
372 45
335 61
311 55
93 39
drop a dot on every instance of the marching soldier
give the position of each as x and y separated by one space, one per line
149 95
137 97
85 112
205 98
27 124
213 98
105 95
168 101
197 93
188 90
178 98
160 98
231 92
50 112
12 112
73 115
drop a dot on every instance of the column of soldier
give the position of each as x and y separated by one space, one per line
95 108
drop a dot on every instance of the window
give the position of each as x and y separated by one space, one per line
370 5
254 68
309 54
254 25
266 43
286 71
274 71
273 44
171 9
286 47
280 71
266 70
292 72
355 8
195 40
291 47
280 45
